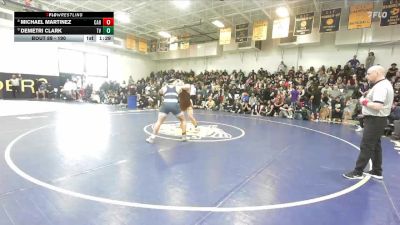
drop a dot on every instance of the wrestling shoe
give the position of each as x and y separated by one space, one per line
150 140
184 138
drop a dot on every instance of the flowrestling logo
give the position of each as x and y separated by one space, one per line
204 132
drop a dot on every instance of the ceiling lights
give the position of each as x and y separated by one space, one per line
282 12
182 4
122 17
218 23
164 34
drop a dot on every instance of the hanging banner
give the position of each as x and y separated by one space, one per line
280 28
360 16
330 20
242 32
184 41
260 29
152 46
173 46
173 43
130 43
28 84
184 45
163 45
303 23
142 46
225 36
390 14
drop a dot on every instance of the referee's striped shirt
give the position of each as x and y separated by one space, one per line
381 92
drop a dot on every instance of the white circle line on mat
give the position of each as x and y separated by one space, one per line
16 169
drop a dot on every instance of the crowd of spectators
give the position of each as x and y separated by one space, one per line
329 94
324 93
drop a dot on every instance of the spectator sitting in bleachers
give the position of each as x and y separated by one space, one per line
210 105
262 93
337 110
42 90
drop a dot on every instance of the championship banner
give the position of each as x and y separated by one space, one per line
242 32
173 46
184 41
360 16
330 20
153 46
260 29
29 84
130 43
142 46
390 14
303 23
280 28
225 36
163 45
184 45
173 43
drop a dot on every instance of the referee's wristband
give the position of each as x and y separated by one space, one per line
364 102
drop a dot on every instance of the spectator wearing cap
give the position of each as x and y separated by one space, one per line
392 71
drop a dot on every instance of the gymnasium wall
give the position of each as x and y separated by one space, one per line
323 53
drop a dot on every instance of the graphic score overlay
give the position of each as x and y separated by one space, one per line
63 26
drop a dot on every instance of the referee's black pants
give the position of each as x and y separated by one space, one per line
370 146
15 90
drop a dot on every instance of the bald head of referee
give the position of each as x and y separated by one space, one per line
376 107
375 73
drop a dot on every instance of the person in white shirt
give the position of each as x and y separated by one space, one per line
15 85
69 89
193 91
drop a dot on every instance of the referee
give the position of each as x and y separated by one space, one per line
376 108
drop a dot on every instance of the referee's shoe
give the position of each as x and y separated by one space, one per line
374 174
353 175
